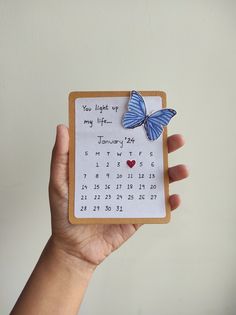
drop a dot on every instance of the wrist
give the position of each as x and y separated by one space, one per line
73 263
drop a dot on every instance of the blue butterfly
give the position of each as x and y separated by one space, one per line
137 116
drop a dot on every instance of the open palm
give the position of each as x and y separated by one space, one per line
91 242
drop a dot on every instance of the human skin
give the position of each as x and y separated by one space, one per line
73 252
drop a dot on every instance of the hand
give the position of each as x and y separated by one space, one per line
91 243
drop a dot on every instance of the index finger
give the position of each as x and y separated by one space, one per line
175 142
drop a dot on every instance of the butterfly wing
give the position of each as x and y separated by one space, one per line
136 111
155 123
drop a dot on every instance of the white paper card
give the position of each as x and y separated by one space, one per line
105 185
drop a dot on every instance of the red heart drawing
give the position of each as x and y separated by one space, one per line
131 163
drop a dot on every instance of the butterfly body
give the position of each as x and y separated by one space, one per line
137 116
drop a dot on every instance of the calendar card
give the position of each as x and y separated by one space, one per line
118 158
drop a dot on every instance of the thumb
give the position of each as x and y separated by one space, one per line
60 159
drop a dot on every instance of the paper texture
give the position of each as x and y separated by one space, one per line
107 184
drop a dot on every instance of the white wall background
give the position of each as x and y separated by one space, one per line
188 49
